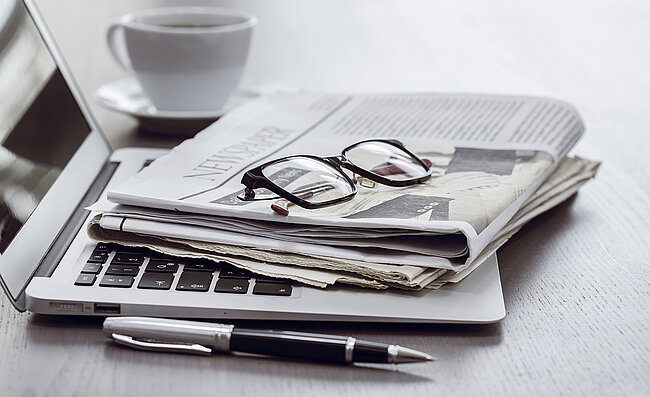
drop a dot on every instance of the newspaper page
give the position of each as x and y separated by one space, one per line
488 154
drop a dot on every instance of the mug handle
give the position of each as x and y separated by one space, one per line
121 59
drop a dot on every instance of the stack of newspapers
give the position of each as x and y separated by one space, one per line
496 162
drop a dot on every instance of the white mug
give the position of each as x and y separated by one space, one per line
185 58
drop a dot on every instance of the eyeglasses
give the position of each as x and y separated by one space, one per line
315 182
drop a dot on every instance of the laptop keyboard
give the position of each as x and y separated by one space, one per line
116 266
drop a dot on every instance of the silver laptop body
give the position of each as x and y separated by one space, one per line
54 161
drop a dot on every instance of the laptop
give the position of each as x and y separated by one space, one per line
54 162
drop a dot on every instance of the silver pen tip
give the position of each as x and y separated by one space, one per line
406 355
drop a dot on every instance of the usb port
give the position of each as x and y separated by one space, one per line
107 308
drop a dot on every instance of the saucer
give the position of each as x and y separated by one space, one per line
126 96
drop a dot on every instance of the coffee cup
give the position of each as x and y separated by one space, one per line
185 58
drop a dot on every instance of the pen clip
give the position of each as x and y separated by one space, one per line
158 346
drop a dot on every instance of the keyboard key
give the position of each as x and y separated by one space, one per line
116 281
194 281
280 289
266 279
163 257
98 257
200 266
230 271
232 285
103 247
127 259
122 249
156 281
90 267
122 270
85 279
161 266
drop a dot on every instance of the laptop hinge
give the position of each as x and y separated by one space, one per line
63 240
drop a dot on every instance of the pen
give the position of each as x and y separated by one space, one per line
180 336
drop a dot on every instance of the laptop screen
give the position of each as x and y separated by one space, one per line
41 125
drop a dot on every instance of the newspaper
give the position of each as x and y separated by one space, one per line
325 271
489 154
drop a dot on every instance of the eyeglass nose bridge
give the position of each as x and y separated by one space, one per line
339 161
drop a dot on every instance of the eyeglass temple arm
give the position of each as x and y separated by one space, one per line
249 194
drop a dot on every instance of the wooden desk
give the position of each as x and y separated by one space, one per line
575 280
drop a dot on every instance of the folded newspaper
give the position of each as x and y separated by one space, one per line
497 161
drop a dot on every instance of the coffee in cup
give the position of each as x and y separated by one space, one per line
185 58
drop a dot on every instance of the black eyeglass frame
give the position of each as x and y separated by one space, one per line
255 179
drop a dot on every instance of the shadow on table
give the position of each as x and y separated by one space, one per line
525 257
250 364
45 328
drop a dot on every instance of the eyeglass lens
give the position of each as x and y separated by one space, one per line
386 160
309 179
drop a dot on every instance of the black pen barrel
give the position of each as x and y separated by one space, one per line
305 346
